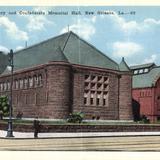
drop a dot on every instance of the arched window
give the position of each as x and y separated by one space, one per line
86 97
1 86
20 83
105 98
40 83
5 86
8 85
30 82
16 84
25 82
99 96
35 80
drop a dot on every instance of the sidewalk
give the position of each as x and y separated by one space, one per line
26 135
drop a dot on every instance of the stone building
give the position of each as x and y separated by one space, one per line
66 74
146 90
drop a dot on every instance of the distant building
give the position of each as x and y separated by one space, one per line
66 74
146 90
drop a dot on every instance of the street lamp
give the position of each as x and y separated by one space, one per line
10 127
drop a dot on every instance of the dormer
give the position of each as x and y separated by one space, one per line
142 69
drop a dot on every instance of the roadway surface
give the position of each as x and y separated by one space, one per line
122 143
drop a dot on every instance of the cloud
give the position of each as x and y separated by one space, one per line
37 22
5 50
12 29
126 49
125 26
19 48
132 27
83 27
151 21
151 59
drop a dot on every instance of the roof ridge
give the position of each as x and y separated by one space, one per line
66 40
36 44
94 48
141 65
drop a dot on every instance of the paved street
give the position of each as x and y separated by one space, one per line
139 143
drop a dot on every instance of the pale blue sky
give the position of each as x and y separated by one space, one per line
133 36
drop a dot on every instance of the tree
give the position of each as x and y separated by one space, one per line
4 107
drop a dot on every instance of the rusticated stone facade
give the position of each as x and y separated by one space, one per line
64 88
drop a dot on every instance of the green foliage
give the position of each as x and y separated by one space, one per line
144 119
4 106
76 117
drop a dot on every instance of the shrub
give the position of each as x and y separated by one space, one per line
144 119
4 106
76 117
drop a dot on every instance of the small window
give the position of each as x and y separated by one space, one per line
87 77
99 86
136 72
105 86
104 102
85 100
105 79
35 80
8 85
91 101
87 86
105 98
93 86
99 78
5 86
98 101
2 86
16 84
40 80
25 82
30 82
86 94
20 83
141 71
146 70
93 78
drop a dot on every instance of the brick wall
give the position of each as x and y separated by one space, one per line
125 97
144 97
62 92
110 110
25 100
149 101
59 87
51 100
